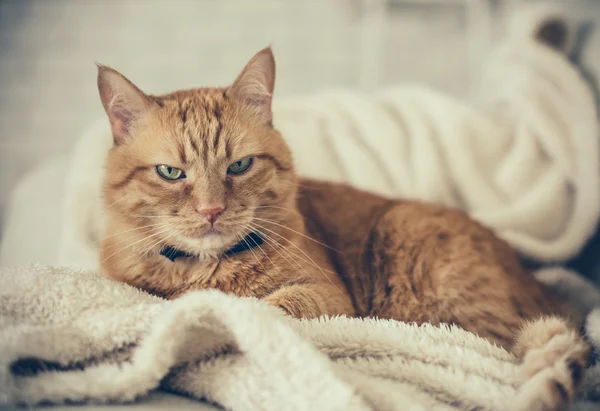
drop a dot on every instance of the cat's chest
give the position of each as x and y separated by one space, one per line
239 276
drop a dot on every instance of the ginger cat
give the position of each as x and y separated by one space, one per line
200 192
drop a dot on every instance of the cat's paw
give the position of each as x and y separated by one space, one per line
552 388
297 301
285 307
554 360
282 308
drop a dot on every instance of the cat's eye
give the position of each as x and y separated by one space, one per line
169 173
240 167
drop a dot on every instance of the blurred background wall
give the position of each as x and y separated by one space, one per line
48 47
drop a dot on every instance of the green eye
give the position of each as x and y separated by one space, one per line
240 167
170 173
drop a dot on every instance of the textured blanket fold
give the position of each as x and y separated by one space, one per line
73 336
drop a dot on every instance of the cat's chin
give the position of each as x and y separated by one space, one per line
210 245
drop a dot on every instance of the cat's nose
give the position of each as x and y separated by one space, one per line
211 214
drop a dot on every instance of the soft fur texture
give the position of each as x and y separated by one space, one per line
70 336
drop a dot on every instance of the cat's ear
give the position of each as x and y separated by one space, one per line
123 102
254 86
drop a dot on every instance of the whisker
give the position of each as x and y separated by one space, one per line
286 209
148 249
263 251
115 202
297 232
302 251
127 231
279 248
289 252
173 235
271 241
169 237
145 216
148 230
120 241
134 243
255 256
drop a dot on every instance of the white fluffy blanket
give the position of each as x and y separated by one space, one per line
524 160
68 336
72 336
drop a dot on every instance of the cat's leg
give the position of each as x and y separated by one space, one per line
311 300
554 357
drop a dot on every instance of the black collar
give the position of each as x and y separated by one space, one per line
252 240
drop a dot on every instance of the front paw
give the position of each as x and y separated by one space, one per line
285 306
295 302
279 306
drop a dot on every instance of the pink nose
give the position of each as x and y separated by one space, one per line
211 214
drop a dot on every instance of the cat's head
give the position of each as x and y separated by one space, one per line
196 169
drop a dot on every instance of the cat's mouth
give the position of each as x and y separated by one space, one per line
198 233
207 240
212 232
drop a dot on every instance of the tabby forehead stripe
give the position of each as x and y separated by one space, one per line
194 146
207 119
227 148
217 115
183 112
181 151
128 177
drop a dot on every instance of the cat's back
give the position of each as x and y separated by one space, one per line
344 215
416 261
